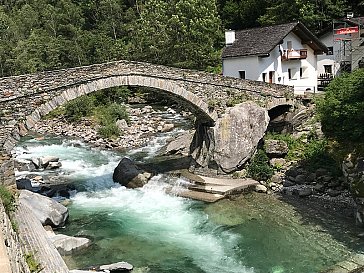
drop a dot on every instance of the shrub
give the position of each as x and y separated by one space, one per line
112 113
109 130
79 107
341 110
259 168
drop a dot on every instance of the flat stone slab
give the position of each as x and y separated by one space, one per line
201 196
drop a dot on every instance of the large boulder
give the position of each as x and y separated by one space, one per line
237 134
128 174
47 210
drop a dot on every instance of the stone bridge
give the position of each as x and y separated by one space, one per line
25 99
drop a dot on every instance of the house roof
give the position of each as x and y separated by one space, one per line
261 41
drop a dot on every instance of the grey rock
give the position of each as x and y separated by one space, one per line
277 162
36 162
67 245
276 148
261 188
179 145
276 179
128 174
54 165
122 124
300 179
167 127
47 210
321 172
288 183
304 192
24 165
319 187
117 267
24 184
292 172
310 177
333 193
45 160
237 134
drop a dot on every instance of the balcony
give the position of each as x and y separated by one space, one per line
292 54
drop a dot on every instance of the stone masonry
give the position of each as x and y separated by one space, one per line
25 99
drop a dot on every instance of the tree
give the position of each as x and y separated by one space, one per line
342 108
315 14
182 33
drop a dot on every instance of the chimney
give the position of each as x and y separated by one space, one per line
229 37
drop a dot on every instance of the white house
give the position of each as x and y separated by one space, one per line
345 43
281 54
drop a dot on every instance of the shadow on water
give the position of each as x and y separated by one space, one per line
335 218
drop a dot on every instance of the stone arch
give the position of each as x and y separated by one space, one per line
193 102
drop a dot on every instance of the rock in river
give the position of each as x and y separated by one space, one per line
47 210
128 174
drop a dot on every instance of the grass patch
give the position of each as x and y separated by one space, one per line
33 265
8 199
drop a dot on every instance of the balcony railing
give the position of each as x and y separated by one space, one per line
292 54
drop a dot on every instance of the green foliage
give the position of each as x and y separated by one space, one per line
33 265
107 117
79 107
109 130
311 152
111 95
259 168
341 110
7 199
182 33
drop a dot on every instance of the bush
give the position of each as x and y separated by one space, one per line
112 113
341 110
109 130
259 168
79 107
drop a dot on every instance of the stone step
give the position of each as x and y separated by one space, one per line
36 241
201 196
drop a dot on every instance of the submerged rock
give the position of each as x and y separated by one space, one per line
117 267
66 245
47 210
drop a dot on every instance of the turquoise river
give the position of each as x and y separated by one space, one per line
162 233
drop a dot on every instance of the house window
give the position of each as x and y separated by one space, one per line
264 77
292 73
328 69
289 44
330 50
303 72
242 74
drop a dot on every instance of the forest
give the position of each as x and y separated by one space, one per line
38 35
